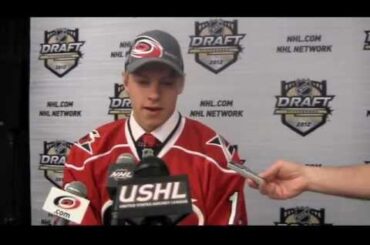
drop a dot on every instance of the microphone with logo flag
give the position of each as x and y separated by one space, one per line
152 197
118 172
70 204
121 170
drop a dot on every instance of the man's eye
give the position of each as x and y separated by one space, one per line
167 83
143 82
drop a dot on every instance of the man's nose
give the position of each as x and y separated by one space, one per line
154 91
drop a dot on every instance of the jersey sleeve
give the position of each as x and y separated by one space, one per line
225 199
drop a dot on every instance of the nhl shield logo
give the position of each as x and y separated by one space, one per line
367 41
120 104
302 216
53 159
216 44
61 50
303 105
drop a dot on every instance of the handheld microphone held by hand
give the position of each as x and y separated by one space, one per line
240 169
68 205
245 172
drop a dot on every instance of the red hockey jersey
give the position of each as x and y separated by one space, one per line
193 149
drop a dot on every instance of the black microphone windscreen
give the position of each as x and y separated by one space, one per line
118 172
151 167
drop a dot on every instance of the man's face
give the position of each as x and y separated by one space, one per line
153 90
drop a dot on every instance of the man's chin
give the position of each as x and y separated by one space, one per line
153 123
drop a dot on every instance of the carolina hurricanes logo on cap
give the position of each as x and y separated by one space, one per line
146 47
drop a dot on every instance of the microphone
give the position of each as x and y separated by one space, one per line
152 166
152 197
77 188
118 172
121 170
69 205
245 172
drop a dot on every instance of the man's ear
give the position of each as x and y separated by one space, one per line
125 80
181 83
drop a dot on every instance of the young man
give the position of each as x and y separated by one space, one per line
153 78
284 180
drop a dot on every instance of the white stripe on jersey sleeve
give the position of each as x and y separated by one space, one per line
67 165
228 171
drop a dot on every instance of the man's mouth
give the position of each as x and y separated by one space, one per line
153 109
